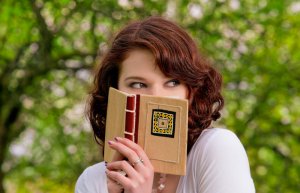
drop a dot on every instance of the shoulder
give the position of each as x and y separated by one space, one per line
218 157
220 141
92 180
215 133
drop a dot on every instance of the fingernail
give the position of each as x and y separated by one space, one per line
105 163
110 142
117 138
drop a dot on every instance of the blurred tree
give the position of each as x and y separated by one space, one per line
254 45
48 49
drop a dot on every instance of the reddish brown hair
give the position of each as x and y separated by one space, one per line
177 56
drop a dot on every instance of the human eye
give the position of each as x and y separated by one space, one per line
173 83
137 85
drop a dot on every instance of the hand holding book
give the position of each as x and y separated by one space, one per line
138 170
157 124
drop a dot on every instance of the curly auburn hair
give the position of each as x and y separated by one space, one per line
177 56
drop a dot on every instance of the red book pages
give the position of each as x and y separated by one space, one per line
130 118
137 113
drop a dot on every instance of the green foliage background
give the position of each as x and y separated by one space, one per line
49 48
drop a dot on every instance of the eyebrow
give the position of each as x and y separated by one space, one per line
134 78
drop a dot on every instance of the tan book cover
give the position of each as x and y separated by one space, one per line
158 124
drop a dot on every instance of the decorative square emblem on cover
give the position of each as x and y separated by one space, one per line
163 123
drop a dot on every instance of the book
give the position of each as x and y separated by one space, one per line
158 124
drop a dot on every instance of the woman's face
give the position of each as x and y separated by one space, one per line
140 75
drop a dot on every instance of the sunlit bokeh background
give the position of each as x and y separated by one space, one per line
49 48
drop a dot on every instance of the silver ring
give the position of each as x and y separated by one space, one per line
140 160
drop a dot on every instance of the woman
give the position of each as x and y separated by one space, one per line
156 57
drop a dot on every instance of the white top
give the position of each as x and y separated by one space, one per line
217 163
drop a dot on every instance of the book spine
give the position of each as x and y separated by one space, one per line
130 119
137 113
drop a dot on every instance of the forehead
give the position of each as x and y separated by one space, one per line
138 61
138 58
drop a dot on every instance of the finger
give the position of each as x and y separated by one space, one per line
124 166
113 186
125 151
119 178
136 148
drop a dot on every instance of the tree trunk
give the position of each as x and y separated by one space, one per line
1 181
5 129
3 144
